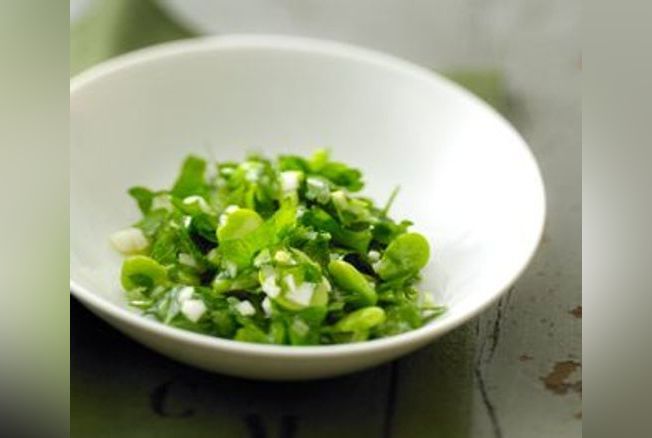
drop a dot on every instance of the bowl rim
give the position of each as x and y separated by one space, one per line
345 51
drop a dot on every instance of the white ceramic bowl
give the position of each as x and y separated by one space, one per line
467 178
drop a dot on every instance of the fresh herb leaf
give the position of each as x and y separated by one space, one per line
143 197
191 180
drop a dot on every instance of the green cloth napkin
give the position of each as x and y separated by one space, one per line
114 27
121 389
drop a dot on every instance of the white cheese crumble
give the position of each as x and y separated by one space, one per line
282 256
267 271
186 221
316 183
301 294
129 241
245 308
320 190
267 306
270 287
290 180
374 256
187 259
223 218
185 293
289 282
227 211
262 258
320 187
252 170
193 309
201 203
231 269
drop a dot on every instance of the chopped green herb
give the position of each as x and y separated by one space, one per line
274 252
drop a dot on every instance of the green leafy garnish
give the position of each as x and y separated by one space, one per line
274 252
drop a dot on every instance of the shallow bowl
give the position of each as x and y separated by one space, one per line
467 178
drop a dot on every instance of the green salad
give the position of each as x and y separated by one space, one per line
274 251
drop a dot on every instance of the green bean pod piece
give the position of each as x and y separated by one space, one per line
142 271
351 280
237 224
406 255
360 320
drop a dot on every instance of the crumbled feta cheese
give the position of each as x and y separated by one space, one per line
225 215
316 183
185 293
319 189
231 269
289 281
186 221
267 271
262 258
374 256
282 256
223 218
267 306
188 200
290 180
252 170
245 308
201 203
193 309
129 241
302 294
270 287
187 259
